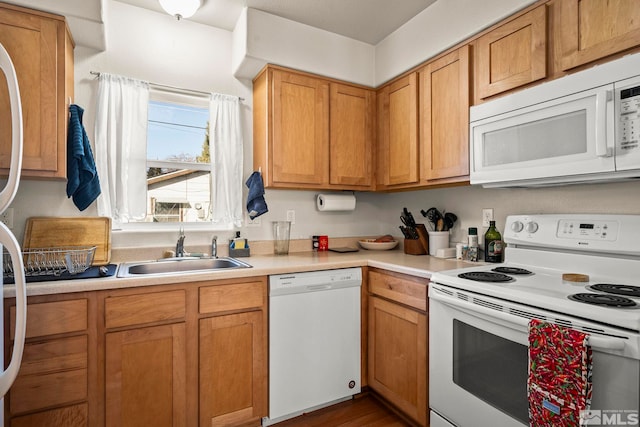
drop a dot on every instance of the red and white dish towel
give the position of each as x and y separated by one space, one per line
559 382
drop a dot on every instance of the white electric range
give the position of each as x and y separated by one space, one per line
478 318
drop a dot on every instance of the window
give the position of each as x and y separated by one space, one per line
178 162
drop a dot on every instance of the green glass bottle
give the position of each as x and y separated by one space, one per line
493 244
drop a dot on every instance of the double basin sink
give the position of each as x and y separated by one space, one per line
179 265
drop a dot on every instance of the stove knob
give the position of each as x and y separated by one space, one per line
531 227
517 226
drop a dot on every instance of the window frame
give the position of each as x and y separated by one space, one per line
182 97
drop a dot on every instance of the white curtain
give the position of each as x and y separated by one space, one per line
121 147
225 139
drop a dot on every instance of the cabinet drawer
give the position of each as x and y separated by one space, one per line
55 355
403 289
31 392
51 318
144 308
236 296
70 416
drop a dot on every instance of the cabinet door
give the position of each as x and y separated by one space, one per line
352 133
398 132
513 54
38 48
592 29
53 373
233 369
398 356
444 108
300 129
145 377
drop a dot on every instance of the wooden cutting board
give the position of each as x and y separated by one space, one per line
53 232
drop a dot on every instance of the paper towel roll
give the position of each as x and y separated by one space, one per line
336 202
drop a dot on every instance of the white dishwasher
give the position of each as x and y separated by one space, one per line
314 340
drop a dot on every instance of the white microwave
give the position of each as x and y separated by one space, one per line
584 127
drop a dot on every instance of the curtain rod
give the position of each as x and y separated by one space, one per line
97 73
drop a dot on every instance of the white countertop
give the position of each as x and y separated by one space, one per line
263 265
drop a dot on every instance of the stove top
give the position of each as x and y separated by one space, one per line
606 300
616 289
486 276
511 270
599 247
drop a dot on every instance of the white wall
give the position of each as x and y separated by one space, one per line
438 27
264 38
155 47
467 203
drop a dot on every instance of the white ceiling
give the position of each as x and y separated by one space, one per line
369 21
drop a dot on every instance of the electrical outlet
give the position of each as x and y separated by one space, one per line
7 218
487 215
291 216
256 222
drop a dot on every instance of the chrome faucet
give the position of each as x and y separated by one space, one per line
214 247
180 244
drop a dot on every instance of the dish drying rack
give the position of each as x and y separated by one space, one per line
51 261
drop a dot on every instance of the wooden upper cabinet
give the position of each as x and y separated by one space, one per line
300 129
444 118
398 132
291 129
352 112
513 54
311 132
41 50
592 29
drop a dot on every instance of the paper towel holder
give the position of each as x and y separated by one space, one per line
336 202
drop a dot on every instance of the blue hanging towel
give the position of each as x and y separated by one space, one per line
256 205
82 178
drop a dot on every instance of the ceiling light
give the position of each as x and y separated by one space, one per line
180 8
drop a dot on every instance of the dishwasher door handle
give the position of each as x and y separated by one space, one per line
318 287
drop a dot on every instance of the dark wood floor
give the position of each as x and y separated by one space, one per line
359 412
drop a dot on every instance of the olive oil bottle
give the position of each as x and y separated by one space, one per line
493 246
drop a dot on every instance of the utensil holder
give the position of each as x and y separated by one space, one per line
423 236
438 240
413 247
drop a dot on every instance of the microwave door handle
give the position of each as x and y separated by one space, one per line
604 124
518 323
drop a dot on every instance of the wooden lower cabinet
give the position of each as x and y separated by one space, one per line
56 383
70 416
145 377
189 354
398 345
232 369
193 354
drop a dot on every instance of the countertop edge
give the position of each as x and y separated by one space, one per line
264 265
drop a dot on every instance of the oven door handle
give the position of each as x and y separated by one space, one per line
518 323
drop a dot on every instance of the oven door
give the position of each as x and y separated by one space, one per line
478 360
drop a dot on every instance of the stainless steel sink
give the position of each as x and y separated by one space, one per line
179 265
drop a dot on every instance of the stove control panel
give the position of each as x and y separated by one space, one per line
587 230
606 233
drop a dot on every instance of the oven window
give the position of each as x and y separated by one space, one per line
491 368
